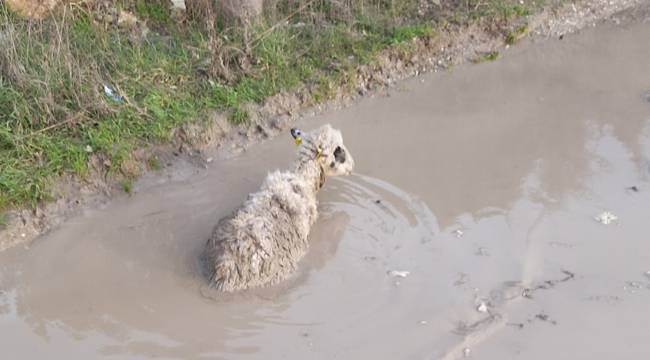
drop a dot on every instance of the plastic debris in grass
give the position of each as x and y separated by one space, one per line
108 91
178 4
606 218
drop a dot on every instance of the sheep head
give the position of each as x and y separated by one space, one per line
325 146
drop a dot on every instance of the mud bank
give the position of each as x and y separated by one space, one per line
198 145
483 183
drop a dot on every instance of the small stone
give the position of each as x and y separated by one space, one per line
23 235
88 149
209 160
423 322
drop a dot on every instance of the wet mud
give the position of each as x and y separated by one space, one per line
468 230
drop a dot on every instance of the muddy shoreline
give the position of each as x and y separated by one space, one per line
195 146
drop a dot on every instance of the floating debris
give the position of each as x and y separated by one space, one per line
632 286
467 352
462 279
482 307
398 273
459 233
606 218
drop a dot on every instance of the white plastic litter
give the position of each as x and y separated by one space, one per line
112 94
482 307
178 4
458 233
606 218
398 273
89 149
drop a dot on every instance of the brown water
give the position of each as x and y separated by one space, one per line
520 154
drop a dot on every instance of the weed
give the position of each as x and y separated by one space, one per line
489 56
4 220
154 163
516 34
127 186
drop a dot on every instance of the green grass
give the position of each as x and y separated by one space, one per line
489 56
154 163
516 34
127 186
55 118
3 220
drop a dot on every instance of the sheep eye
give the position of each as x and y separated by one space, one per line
339 154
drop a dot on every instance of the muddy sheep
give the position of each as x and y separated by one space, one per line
262 241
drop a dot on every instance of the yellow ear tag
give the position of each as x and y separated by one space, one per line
319 152
298 140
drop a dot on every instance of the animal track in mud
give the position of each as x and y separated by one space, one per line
511 291
548 284
464 328
538 317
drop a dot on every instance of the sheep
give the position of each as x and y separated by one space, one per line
261 243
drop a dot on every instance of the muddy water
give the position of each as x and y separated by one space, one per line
519 155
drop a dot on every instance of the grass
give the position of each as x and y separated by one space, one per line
516 34
489 56
56 119
127 186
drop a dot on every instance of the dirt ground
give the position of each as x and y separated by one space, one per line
482 182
